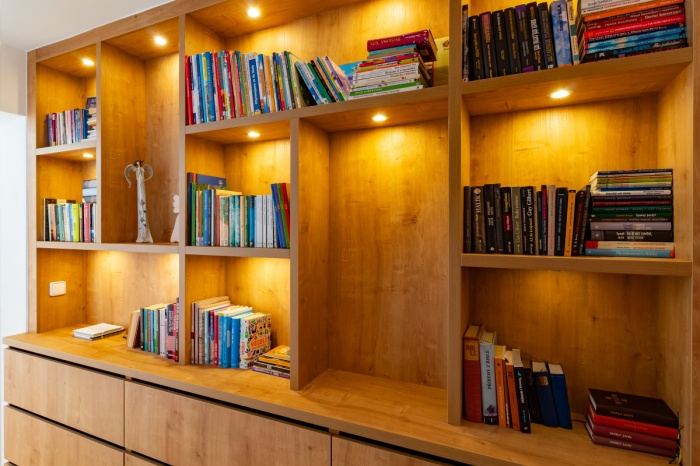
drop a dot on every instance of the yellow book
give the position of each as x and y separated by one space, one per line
571 201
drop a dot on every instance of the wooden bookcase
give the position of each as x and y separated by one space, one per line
374 294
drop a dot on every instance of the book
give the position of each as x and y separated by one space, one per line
533 18
489 401
561 33
532 400
560 395
512 40
501 388
560 211
627 445
549 54
490 218
488 45
626 252
630 435
573 33
622 235
522 23
637 226
134 339
545 396
569 231
255 337
465 43
467 220
478 220
633 426
511 390
96 331
521 391
528 216
501 43
422 39
507 220
628 9
517 221
632 407
476 59
472 372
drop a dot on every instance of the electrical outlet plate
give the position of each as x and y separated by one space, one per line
57 288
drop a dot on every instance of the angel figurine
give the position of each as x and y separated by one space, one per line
142 170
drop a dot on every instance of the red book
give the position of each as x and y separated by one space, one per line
680 18
188 90
635 17
423 40
629 9
625 445
633 437
472 373
633 426
285 203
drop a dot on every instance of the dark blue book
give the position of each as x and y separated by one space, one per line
560 395
206 213
545 396
211 107
254 84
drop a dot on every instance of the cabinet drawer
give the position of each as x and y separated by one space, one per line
133 460
85 400
32 441
350 452
181 430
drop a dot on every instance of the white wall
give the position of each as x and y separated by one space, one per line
13 192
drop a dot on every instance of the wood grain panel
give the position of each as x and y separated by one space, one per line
71 63
201 431
123 140
31 441
351 452
204 157
310 207
162 112
118 283
356 23
133 460
141 43
82 399
60 311
264 285
388 258
563 146
252 168
597 325
199 38
56 92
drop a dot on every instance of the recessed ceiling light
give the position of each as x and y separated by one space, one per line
379 118
253 12
253 134
88 62
88 155
160 40
560 94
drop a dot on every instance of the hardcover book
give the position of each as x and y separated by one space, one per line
533 17
549 54
513 44
517 221
489 401
524 38
507 220
521 391
467 220
422 39
512 390
560 395
499 352
544 394
488 45
478 220
627 445
532 400
561 33
476 59
465 43
633 426
490 218
632 407
499 32
255 338
472 373
631 435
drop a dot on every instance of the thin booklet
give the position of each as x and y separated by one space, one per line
97 331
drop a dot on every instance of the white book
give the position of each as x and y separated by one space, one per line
488 378
97 331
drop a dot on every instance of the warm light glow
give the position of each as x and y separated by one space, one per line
88 62
253 12
560 94
160 40
379 118
253 134
88 155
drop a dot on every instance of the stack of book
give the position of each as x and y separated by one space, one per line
221 217
618 28
155 329
520 39
228 335
632 422
65 220
395 64
519 220
500 388
90 190
274 362
631 213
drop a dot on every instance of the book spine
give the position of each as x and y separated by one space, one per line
561 400
488 46
422 39
524 38
528 209
465 43
545 397
517 221
654 253
626 445
632 37
636 26
476 64
570 213
544 214
503 67
560 220
490 218
488 384
635 226
561 33
626 10
540 243
632 18
536 35
501 392
621 235
547 39
512 44
472 380
478 220
532 401
592 244
523 410
628 425
467 220
384 90
512 396
507 220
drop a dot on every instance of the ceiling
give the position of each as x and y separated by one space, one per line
29 24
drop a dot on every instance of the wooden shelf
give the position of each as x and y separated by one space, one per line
70 151
270 253
153 248
589 82
408 415
632 266
140 43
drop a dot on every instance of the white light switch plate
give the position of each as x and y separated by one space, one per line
57 288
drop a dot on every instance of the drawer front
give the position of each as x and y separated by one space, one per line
182 430
133 460
32 441
85 400
351 453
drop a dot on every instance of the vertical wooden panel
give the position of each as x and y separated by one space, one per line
33 441
204 157
162 113
31 191
251 168
388 252
199 38
119 282
55 312
203 432
123 140
310 242
350 452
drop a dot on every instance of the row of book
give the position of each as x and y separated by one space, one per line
395 64
633 422
66 220
520 39
617 28
500 388
228 335
275 362
155 329
72 126
522 220
631 213
221 217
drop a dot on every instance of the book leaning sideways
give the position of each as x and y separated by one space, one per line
94 332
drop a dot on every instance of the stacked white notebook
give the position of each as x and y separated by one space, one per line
97 331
